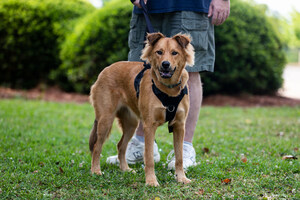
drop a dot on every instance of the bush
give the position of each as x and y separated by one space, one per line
249 56
97 41
30 33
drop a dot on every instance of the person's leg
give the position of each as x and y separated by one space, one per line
139 131
195 94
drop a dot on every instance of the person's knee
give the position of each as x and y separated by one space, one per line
194 77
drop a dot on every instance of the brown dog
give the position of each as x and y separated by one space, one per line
114 95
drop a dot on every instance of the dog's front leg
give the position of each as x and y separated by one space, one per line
178 135
148 155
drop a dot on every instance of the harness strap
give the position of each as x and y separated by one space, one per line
138 78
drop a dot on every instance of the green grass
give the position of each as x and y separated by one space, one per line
44 154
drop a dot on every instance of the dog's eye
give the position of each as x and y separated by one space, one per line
174 53
159 52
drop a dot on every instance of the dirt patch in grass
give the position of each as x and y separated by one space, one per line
249 101
57 95
49 94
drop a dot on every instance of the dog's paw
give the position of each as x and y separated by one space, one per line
153 184
97 172
132 170
129 170
183 180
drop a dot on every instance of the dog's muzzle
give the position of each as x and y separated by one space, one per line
165 70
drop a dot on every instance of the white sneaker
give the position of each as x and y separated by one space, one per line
189 157
135 153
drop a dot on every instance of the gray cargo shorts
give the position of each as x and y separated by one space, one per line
197 25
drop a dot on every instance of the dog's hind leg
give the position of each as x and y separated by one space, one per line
106 104
128 122
103 129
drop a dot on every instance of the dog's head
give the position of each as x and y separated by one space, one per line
168 56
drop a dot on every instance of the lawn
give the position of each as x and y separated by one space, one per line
44 154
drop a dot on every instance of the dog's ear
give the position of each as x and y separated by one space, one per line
185 42
152 38
182 39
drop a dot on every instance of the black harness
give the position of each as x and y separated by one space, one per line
171 103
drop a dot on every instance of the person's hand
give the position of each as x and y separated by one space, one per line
137 3
219 10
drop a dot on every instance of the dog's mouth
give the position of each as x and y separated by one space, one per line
166 73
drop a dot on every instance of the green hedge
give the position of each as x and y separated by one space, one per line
249 54
97 41
30 34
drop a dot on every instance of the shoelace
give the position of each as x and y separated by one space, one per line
171 156
186 154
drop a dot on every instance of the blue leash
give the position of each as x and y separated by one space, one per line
150 28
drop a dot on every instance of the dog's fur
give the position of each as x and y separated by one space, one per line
113 95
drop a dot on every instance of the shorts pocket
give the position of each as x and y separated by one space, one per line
133 21
197 25
133 39
134 33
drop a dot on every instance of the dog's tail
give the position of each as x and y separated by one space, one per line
93 136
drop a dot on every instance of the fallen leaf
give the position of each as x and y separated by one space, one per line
41 164
200 192
205 150
156 198
244 159
226 181
287 157
61 170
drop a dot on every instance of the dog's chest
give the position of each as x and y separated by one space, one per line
159 114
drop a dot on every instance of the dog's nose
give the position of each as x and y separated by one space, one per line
165 64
